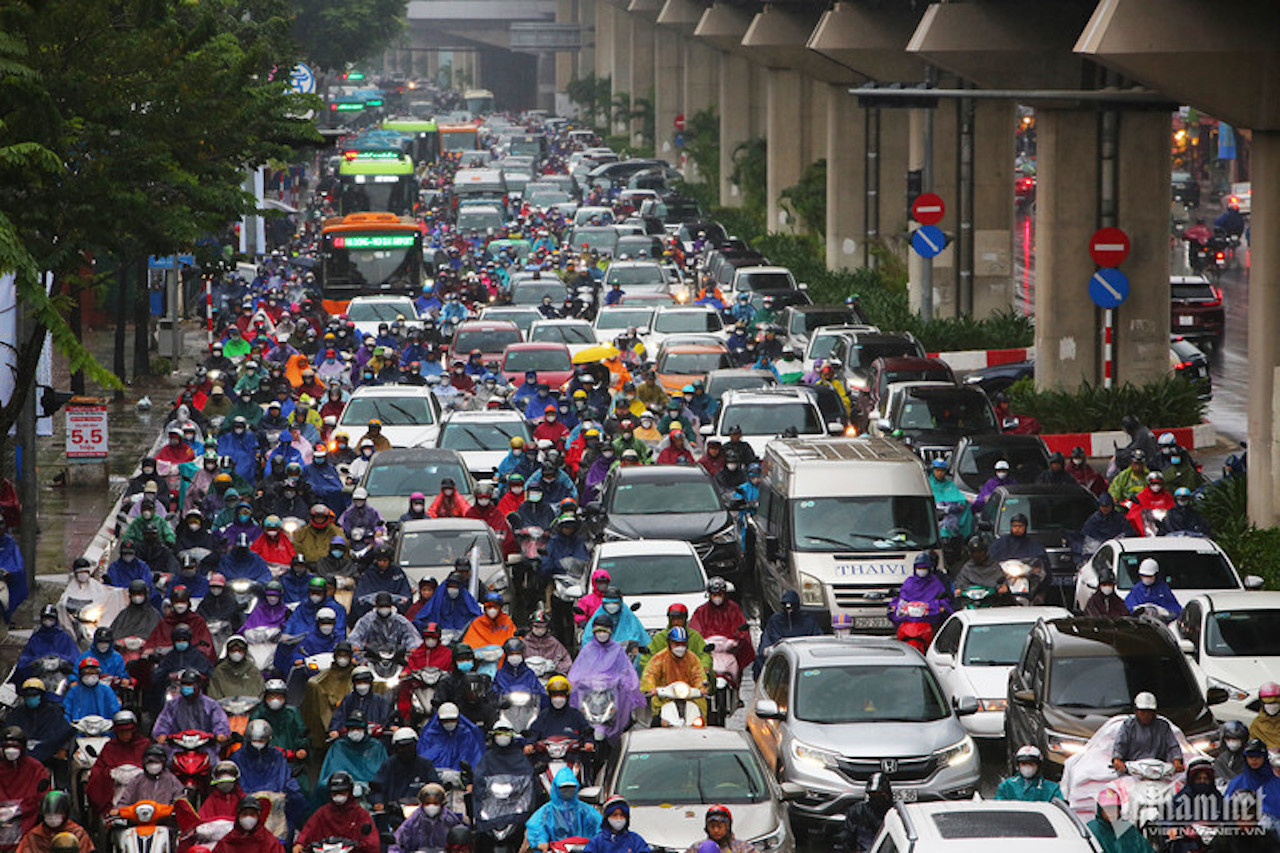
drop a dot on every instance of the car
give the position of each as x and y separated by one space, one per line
531 291
997 378
1074 674
992 826
829 712
655 573
480 218
1232 641
762 279
369 312
931 419
636 277
766 414
1190 362
688 233
1055 514
551 199
1196 309
865 347
885 371
491 337
1189 564
679 365
671 776
648 300
577 335
393 475
598 238
483 438
639 246
974 460
721 263
669 502
1182 361
738 378
1241 196
680 319
1186 189
613 320
410 414
524 316
552 362
620 170
832 342
431 547
973 652
800 321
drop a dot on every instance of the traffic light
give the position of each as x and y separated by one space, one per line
51 399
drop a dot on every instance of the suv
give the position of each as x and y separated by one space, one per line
829 712
765 414
1074 674
1004 826
1196 309
931 419
799 321
865 347
1056 512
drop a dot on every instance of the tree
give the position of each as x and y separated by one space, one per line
806 201
332 33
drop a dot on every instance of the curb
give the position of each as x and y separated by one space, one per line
962 361
1103 444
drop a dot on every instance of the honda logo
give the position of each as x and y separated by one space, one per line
889 765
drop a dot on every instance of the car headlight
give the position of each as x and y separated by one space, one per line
813 757
1064 745
1234 693
957 753
772 841
725 536
993 704
811 592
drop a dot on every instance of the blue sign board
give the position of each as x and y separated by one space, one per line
165 262
1108 287
928 241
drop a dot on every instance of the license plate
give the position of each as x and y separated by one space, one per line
905 795
1186 321
872 622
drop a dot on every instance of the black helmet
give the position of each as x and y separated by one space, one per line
103 635
717 584
1235 729
515 645
1253 747
1019 518
459 836
462 650
155 750
248 803
340 781
979 542
1106 576
56 802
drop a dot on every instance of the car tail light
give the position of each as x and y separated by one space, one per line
1183 365
1221 255
1217 298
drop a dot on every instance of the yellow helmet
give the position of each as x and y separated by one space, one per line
558 684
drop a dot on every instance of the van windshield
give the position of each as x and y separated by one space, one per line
873 523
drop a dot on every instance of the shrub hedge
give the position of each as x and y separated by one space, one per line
1168 402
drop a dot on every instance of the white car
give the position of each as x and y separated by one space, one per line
613 320
828 342
1190 565
483 438
368 312
431 547
1232 641
973 653
577 335
991 826
656 573
683 319
764 415
410 414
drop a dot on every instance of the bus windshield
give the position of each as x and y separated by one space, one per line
358 193
458 139
362 262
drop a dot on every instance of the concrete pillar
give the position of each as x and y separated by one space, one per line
788 135
1142 322
586 64
993 155
668 90
815 95
945 135
566 63
736 96
701 86
1067 326
620 60
1264 343
548 71
433 65
894 134
846 185
759 106
643 33
605 15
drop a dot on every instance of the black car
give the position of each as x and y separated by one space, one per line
931 419
1188 361
1055 514
1075 674
1193 365
998 378
975 458
670 502
1186 189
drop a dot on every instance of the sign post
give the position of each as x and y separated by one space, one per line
1108 287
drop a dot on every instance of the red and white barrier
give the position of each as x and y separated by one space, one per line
1103 444
963 361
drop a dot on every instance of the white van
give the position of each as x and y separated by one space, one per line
841 521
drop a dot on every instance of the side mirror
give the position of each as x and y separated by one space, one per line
767 709
1024 697
595 507
883 424
944 659
590 795
1186 646
791 791
574 591
803 285
772 547
985 525
966 706
835 428
1010 423
707 429
1216 696
1252 582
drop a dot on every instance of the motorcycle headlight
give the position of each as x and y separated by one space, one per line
725 536
811 592
91 614
957 753
145 813
1064 745
772 841
814 757
1234 693
240 585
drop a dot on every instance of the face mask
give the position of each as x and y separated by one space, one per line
340 799
90 680
31 701
617 824
235 657
53 821
181 608
82 576
355 735
181 645
1148 580
483 501
273 599
343 661
558 702
104 648
612 607
1175 459
362 689
138 599
515 660
502 740
1028 771
679 651
259 744
717 600
449 726
188 691
384 612
146 513
431 810
539 630
448 493
534 497
1272 708
1156 488
466 665
1001 475
492 612
1233 744
275 704
226 787
603 636
922 573
325 628
1106 589
517 452
244 517
12 753
154 768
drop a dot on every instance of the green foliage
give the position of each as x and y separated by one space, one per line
751 172
333 33
593 95
1253 550
742 222
702 145
1168 402
806 201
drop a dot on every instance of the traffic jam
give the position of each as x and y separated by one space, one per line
518 505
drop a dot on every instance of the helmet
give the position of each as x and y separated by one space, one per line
515 645
276 685
1235 729
124 718
459 836
361 673
924 561
56 802
1200 762
719 812
1270 690
678 609
1253 747
340 781
1155 477
678 635
717 584
258 729
88 662
226 771
1028 753
558 684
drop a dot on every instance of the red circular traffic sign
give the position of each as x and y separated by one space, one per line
1109 247
679 121
928 209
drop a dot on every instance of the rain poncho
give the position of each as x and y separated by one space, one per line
136 620
324 693
931 590
1102 526
606 666
81 701
1266 728
559 548
517 679
47 642
257 840
1036 789
326 485
287 731
401 776
115 753
566 722
303 618
264 615
1024 548
348 821
627 627
111 663
122 571
600 580
626 841
1158 593
448 750
314 643
947 496
373 581
393 632
547 646
191 712
375 707
244 565
502 764
451 614
420 832
562 818
784 624
727 620
243 450
25 781
46 727
236 679
1118 837
361 760
1249 779
484 631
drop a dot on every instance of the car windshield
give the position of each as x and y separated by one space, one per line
520 360
479 218
804 322
868 351
470 435
406 476
826 346
978 461
655 574
380 312
774 418
717 385
392 411
868 694
635 245
1243 633
691 777
600 239
638 275
443 547
564 334
995 645
485 340
546 198
693 362
876 523
765 281
1200 290
1048 512
926 374
624 318
956 413
665 498
1180 569
674 322
532 293
522 317
1109 682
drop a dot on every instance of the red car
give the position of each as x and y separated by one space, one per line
551 361
491 337
884 371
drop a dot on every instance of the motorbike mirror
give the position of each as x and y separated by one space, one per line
1024 697
635 605
985 525
590 795
744 626
91 750
966 706
883 424
709 647
1010 423
1216 696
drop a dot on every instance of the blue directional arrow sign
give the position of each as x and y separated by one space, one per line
928 241
1108 287
302 79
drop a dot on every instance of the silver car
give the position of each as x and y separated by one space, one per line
671 776
829 712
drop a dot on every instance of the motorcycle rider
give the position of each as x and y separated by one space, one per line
236 674
55 818
355 752
305 615
604 664
1152 590
180 613
677 617
451 608
504 760
449 739
1106 523
191 709
312 541
374 708
627 628
615 835
719 827
1257 770
429 826
224 793
1266 725
39 715
564 816
250 833
558 717
284 720
1184 517
1114 834
323 637
341 817
1017 545
401 776
263 767
103 649
1105 601
23 778
672 664
1083 473
182 657
978 570
48 640
1153 497
124 749
948 497
721 616
1128 482
383 628
155 782
514 675
217 606
1199 799
790 621
273 546
325 692
493 628
1000 477
1145 734
127 568
89 696
381 576
1027 784
863 822
360 514
926 586
1230 762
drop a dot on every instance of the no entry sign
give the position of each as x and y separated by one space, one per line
928 209
1109 247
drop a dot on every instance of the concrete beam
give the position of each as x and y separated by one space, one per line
1222 58
1264 343
481 10
983 43
645 8
682 15
778 38
723 26
870 42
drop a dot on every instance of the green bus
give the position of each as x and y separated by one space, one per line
423 138
376 180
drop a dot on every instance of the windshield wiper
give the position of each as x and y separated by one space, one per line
746 774
475 438
838 543
408 417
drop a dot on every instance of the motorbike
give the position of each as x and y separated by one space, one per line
52 671
487 659
263 642
542 667
333 845
724 664
976 597
142 830
92 734
679 709
277 824
238 709
1021 580
10 823
520 707
575 844
1154 611
919 632
502 803
1151 784
561 751
191 763
421 686
524 563
599 705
